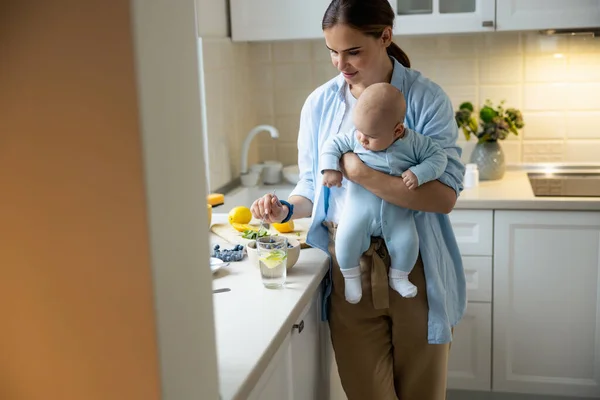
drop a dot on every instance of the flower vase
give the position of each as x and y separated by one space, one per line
489 158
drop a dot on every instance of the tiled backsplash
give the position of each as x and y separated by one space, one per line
230 107
555 81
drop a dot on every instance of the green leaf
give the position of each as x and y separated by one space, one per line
466 132
484 138
487 114
511 126
466 106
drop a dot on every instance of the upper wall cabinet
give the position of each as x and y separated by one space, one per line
547 14
254 20
420 17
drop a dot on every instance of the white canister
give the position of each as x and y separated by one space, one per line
258 168
471 176
272 172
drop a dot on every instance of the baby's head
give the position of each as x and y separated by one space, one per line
379 116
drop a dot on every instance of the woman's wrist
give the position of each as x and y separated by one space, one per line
288 211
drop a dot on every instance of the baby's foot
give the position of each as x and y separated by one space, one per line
400 283
353 289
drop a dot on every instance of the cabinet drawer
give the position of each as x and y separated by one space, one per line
470 361
478 273
474 231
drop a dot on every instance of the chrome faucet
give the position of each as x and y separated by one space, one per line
246 146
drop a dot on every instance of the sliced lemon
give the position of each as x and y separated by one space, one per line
284 228
274 258
240 215
244 227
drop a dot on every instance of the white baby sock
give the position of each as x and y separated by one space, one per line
352 280
400 283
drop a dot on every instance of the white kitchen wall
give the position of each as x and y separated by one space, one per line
554 81
230 108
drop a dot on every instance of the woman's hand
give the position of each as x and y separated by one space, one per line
270 208
352 167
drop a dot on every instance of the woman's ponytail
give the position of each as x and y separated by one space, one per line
395 51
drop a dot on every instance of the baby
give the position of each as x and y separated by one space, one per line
383 143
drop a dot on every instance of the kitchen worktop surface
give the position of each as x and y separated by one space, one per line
514 191
251 321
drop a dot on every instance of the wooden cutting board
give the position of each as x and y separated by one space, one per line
227 232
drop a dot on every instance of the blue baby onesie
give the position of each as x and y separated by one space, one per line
365 215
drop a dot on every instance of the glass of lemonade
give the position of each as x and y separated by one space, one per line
272 258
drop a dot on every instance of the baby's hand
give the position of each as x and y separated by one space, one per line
332 178
410 179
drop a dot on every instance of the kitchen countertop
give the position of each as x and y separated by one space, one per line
251 321
513 192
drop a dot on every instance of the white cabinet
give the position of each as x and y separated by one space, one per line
295 372
306 354
478 275
469 366
417 17
255 20
546 303
276 381
546 14
470 361
474 231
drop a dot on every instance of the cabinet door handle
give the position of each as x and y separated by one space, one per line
299 326
487 24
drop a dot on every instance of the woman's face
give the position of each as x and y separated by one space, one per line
359 57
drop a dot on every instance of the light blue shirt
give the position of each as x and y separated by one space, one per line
429 112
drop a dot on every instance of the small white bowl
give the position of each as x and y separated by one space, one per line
293 253
291 173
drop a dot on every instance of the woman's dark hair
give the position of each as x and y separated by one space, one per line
370 17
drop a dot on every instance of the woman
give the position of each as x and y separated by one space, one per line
386 346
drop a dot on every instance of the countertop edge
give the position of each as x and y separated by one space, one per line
537 204
261 365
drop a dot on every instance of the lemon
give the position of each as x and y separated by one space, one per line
284 228
240 215
243 227
209 211
274 258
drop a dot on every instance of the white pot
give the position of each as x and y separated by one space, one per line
272 172
250 179
291 173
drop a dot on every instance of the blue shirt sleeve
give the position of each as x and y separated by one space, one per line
333 149
438 123
306 147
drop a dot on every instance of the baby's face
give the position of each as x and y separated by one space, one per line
374 135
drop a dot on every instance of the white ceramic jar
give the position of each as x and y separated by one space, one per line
272 172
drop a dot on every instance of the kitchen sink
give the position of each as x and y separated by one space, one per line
565 184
